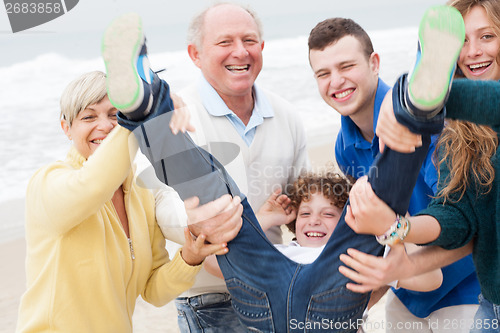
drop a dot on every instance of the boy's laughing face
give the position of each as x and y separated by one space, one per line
316 220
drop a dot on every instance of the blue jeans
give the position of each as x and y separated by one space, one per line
487 318
207 313
271 293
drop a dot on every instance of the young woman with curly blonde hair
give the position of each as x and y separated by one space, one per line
466 211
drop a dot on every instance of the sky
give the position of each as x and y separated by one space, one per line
78 32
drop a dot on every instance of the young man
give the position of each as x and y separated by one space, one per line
346 70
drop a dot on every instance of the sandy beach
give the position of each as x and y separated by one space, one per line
147 318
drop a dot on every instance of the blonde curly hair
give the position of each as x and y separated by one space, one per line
466 148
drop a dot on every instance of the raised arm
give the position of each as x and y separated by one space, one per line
371 272
62 197
364 205
475 101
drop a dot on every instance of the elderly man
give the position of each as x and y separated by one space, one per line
225 42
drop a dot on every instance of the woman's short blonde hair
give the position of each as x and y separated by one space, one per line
88 89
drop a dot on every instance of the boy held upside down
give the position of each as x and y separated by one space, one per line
271 292
311 212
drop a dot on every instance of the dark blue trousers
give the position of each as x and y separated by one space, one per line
270 292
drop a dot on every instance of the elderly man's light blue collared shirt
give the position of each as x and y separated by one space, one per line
217 108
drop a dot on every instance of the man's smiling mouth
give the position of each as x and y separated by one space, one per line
238 69
343 94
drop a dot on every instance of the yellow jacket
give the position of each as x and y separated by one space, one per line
82 273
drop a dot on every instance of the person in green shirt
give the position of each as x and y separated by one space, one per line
465 213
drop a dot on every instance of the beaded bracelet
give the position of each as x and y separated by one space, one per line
396 233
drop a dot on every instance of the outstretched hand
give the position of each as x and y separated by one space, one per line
276 211
181 118
220 220
391 133
367 213
195 250
370 272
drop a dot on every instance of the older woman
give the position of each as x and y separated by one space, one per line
93 244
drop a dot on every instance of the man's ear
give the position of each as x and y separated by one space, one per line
194 54
374 62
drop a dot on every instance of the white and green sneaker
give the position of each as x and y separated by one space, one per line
129 77
441 36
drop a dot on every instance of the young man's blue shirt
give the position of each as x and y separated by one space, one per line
354 156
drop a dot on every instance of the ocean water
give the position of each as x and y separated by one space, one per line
30 133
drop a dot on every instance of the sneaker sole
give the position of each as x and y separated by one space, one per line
441 35
121 46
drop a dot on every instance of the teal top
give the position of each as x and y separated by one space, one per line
476 216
